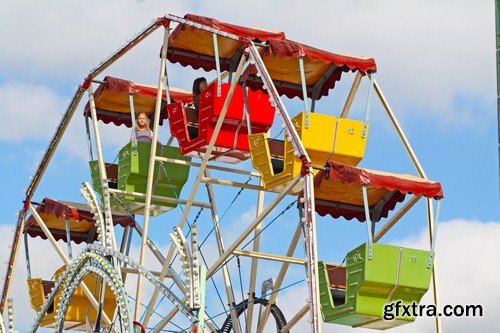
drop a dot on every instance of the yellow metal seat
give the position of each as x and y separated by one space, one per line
79 307
325 138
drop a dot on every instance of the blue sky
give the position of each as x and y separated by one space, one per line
436 66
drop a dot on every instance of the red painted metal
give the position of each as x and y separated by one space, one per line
231 144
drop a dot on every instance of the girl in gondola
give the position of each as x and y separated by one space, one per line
198 85
142 131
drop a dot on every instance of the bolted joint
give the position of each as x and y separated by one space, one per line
306 165
26 202
86 83
164 21
245 44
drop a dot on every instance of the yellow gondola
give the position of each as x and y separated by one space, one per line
324 137
69 222
79 308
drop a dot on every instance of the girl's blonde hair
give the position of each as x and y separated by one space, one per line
147 119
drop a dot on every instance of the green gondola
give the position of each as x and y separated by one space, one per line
392 274
131 175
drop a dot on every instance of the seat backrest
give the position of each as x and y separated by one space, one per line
276 147
112 171
211 105
336 276
393 273
260 110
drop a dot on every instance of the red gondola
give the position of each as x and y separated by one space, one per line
194 131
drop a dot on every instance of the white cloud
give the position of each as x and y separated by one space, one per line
467 272
434 58
63 40
466 266
428 66
28 111
34 112
428 53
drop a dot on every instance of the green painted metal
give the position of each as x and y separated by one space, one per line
394 273
167 180
97 185
133 165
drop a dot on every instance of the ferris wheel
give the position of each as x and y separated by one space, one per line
232 152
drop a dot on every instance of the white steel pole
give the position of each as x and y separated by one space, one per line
281 277
220 248
244 234
350 97
217 64
399 130
312 251
431 227
108 237
197 181
396 217
149 186
304 89
61 254
253 269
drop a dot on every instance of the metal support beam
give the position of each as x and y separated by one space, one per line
68 239
304 87
254 265
350 97
399 130
197 182
129 270
431 227
225 182
27 254
220 248
160 198
209 167
316 89
123 245
291 323
396 217
269 256
149 185
107 232
312 251
281 277
61 254
221 260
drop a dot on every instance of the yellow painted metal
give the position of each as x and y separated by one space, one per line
261 160
37 296
350 141
325 138
79 307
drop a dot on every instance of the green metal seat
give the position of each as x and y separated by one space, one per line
133 166
112 173
393 273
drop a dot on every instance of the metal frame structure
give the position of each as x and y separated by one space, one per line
306 224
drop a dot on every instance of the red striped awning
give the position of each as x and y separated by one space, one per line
54 214
191 46
113 104
338 191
